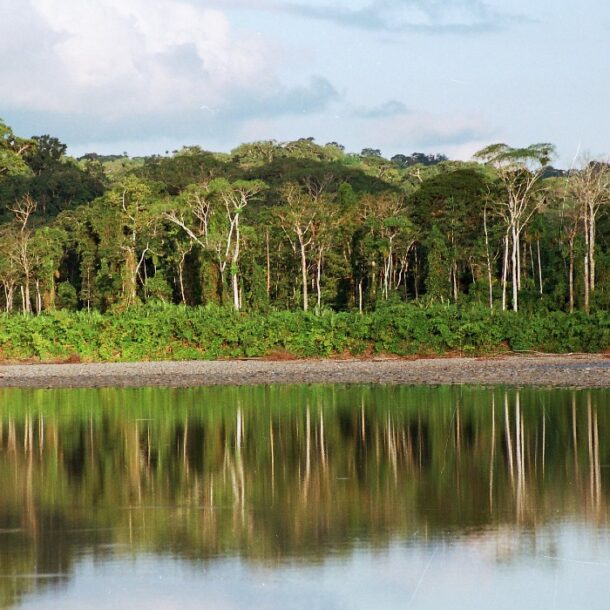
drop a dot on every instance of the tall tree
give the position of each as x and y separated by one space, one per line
297 217
235 197
520 171
210 214
132 201
590 187
23 210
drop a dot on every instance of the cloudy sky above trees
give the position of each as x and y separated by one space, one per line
445 76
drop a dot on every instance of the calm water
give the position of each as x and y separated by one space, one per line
304 497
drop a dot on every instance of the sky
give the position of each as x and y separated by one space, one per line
435 76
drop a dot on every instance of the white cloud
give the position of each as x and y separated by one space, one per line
176 71
110 58
426 16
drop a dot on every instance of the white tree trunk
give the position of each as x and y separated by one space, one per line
514 259
505 272
489 274
304 273
587 260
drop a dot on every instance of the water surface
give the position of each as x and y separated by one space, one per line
304 497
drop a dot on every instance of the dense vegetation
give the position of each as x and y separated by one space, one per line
178 333
274 228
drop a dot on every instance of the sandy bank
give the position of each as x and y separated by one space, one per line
559 371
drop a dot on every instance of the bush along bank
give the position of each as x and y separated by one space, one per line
172 332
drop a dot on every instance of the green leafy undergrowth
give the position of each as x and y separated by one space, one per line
161 332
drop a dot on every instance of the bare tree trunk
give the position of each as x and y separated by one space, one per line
416 275
592 250
28 298
487 255
517 246
28 302
505 273
360 296
571 275
23 301
181 278
539 266
234 269
387 271
586 262
9 292
268 261
515 268
235 285
318 277
304 273
38 298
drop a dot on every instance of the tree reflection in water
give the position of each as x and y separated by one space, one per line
281 474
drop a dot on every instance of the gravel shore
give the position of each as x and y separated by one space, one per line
548 370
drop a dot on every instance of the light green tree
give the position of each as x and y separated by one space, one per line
520 172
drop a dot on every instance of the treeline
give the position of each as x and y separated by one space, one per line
287 226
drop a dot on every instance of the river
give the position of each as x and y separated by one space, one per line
304 497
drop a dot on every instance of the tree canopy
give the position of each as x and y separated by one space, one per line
298 225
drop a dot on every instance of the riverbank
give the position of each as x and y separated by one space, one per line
586 371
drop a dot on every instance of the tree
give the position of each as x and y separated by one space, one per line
257 153
391 236
132 201
199 213
23 210
12 152
590 188
416 158
188 166
297 217
370 152
236 197
9 264
451 198
439 264
45 152
564 206
519 170
46 252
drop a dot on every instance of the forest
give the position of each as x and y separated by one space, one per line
272 228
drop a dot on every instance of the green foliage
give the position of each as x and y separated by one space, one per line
281 226
67 297
437 279
12 150
162 331
157 287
